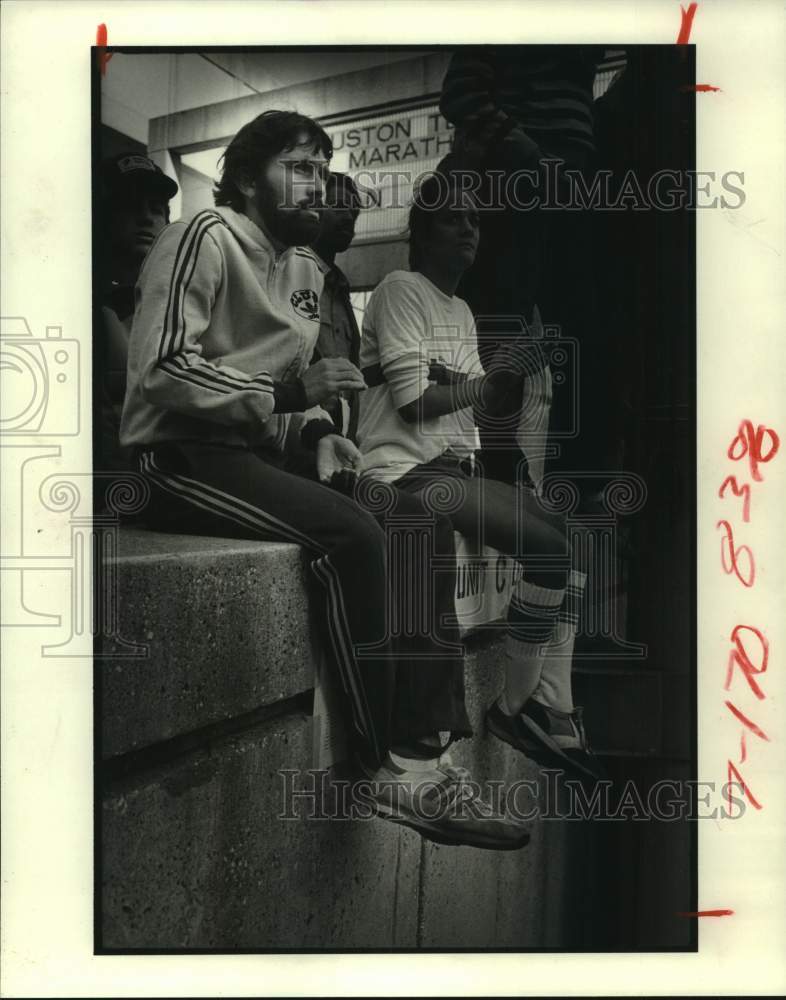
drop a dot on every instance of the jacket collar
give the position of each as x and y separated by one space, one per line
248 233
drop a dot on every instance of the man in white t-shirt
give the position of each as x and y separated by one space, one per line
412 331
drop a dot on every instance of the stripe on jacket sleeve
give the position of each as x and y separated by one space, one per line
189 266
181 247
210 377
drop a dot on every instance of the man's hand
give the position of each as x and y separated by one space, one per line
514 151
329 377
335 453
518 151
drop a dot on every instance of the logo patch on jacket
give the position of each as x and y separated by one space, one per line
305 303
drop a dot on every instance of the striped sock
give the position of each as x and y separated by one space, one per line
532 615
554 687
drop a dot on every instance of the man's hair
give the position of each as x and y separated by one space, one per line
434 192
259 141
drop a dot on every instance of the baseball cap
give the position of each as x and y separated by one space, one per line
132 170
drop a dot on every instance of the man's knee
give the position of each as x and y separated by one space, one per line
366 534
545 533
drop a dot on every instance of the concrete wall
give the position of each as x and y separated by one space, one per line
196 847
339 96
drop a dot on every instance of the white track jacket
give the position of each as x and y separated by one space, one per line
221 319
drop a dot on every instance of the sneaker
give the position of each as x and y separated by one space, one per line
442 803
548 736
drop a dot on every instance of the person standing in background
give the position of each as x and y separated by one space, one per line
516 107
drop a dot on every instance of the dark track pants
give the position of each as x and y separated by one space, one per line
404 678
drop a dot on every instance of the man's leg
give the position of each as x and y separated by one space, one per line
429 652
555 688
230 491
535 713
233 492
513 521
417 784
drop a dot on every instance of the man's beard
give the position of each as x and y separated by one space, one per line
288 226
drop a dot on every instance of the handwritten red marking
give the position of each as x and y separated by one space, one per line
682 39
734 777
743 748
743 491
101 40
730 556
686 23
747 722
701 88
707 913
749 442
739 657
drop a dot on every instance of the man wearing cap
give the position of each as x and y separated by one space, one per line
339 336
135 196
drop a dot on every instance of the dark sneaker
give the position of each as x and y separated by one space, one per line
547 736
443 804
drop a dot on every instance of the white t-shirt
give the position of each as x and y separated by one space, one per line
408 323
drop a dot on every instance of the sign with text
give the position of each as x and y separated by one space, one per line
385 155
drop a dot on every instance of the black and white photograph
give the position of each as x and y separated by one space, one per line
392 485
394 404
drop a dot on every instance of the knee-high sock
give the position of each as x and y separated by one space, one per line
554 687
532 615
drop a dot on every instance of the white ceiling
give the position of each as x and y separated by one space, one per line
138 87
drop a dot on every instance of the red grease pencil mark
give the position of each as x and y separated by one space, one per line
743 491
730 556
707 913
747 722
103 57
701 88
751 443
739 657
734 777
687 23
682 39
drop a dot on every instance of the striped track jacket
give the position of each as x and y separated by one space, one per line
222 320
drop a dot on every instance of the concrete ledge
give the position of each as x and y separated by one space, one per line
227 627
196 856
196 853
